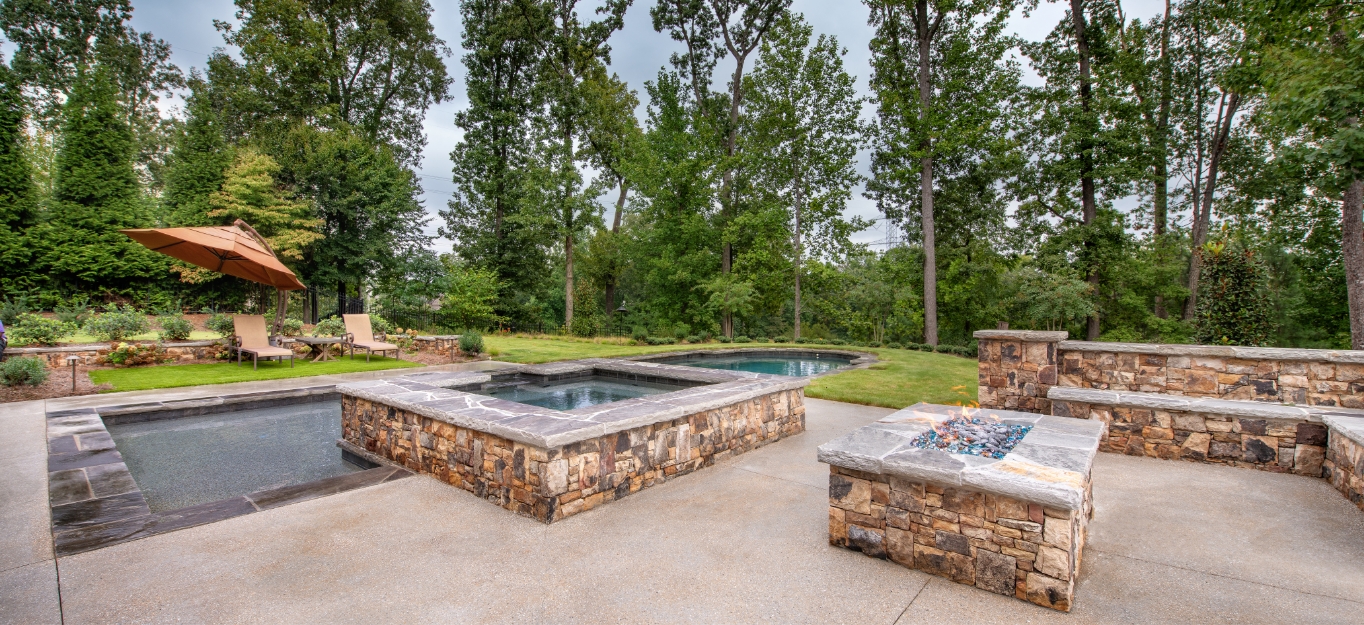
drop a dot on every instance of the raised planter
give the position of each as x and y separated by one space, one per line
55 357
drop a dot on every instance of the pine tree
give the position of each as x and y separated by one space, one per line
18 203
250 193
96 194
198 165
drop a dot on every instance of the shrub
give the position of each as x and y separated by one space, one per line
221 324
661 340
293 327
894 345
10 309
941 349
174 328
694 339
874 344
640 334
742 339
583 325
471 342
16 371
838 342
34 329
331 326
819 342
681 330
723 339
760 339
133 355
782 339
376 323
705 336
1234 305
802 340
76 311
117 323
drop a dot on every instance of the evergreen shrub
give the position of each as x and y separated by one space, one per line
222 324
471 342
742 339
30 371
31 329
1234 306
174 328
117 323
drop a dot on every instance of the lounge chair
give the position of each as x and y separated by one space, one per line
360 334
249 336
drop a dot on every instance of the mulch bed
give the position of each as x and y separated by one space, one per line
58 384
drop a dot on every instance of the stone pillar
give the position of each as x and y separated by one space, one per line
1017 367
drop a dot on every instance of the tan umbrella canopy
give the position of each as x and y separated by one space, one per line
236 250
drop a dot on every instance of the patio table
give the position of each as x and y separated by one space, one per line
318 346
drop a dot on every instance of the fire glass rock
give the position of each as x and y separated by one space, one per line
964 434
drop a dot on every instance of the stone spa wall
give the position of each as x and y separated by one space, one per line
552 483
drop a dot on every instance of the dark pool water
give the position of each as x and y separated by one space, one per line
577 393
193 460
776 365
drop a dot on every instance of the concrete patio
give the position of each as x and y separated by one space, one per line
743 541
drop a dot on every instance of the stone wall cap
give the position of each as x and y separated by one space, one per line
1205 405
1351 427
430 397
1219 351
1050 466
94 347
1023 335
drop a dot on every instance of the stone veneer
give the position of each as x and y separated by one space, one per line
1015 526
548 464
1017 368
1270 437
55 357
1344 466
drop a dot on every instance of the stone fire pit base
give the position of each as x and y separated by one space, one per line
1014 526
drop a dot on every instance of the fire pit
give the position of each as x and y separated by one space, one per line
994 499
969 434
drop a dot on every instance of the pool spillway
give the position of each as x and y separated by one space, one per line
188 461
577 393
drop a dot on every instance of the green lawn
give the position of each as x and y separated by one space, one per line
902 378
170 376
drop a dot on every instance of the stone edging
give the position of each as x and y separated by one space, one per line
1158 401
1022 335
1348 426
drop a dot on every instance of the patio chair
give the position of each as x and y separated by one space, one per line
360 334
249 336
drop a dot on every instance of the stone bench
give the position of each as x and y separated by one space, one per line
1344 465
1013 526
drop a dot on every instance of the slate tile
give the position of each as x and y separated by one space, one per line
68 486
80 540
95 441
107 480
81 459
62 445
99 511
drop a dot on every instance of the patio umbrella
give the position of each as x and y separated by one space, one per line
236 250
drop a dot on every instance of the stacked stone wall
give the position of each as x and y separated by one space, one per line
1344 468
551 484
1303 382
1003 545
1016 369
90 355
1277 445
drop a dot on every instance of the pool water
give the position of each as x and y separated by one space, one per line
776 365
577 392
188 461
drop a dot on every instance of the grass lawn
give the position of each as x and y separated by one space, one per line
902 378
81 337
170 376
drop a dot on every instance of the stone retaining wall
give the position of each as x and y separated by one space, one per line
1344 466
1277 445
55 357
549 484
1006 546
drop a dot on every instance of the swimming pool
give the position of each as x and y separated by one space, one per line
187 461
573 393
802 364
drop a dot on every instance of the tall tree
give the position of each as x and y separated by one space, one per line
199 162
374 65
488 217
710 31
18 197
1315 77
250 193
942 85
96 194
576 51
612 138
803 135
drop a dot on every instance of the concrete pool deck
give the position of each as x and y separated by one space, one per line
745 541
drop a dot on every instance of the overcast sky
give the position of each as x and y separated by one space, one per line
637 54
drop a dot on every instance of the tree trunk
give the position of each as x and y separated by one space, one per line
1161 196
926 179
568 279
1200 225
1088 206
615 229
1352 248
800 199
